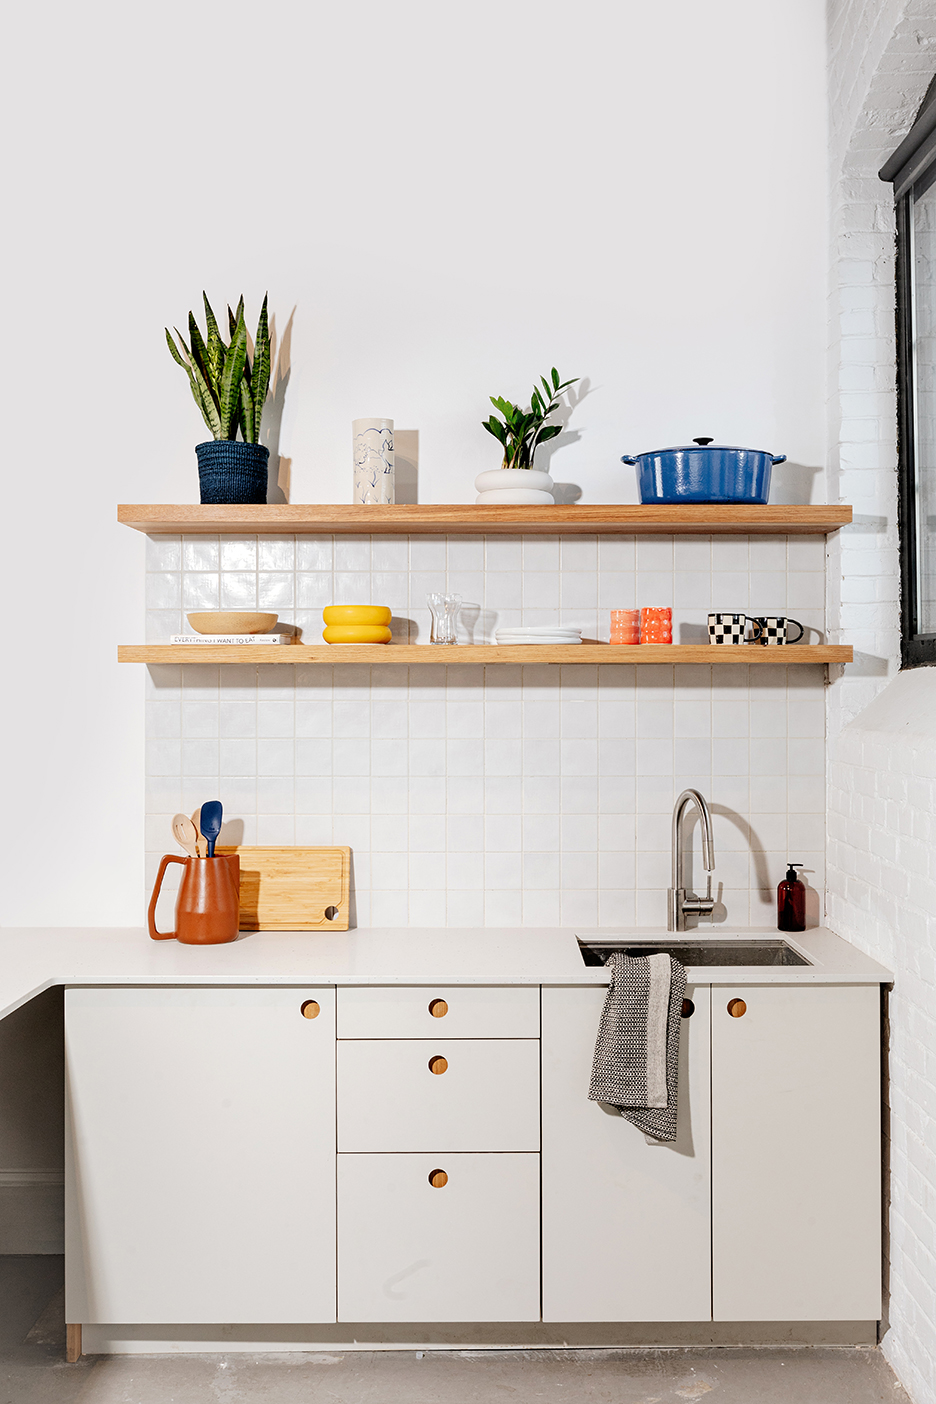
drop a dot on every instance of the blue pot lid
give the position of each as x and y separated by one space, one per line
702 443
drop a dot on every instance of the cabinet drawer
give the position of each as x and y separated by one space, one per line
465 1250
438 1095
439 1011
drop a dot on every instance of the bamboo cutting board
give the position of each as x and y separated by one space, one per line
291 889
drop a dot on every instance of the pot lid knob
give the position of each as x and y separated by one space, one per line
702 442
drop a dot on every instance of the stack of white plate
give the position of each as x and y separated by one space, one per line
538 634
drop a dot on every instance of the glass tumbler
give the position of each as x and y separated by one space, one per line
656 626
444 610
625 626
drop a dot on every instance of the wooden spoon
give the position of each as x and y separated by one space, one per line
201 842
185 834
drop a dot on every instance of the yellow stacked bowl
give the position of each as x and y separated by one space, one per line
356 624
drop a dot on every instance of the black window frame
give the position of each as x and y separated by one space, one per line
912 169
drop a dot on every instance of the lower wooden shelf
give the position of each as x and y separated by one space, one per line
410 654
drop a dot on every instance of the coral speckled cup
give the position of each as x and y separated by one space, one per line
656 626
625 626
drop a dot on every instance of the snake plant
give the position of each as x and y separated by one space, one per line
522 431
228 390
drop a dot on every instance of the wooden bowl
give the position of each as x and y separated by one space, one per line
232 621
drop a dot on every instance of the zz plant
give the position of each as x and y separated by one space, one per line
229 391
521 432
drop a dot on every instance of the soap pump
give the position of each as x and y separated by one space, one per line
791 901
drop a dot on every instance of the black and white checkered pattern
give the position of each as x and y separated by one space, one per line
776 629
726 628
619 1070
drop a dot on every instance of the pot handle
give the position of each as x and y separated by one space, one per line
780 458
628 459
151 910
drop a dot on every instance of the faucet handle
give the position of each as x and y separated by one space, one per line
699 906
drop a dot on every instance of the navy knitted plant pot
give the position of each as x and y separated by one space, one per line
231 471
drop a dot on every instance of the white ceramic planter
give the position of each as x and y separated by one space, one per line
514 486
505 479
508 496
373 461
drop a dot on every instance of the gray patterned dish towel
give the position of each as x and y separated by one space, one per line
637 1050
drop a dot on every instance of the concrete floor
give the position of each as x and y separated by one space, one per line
32 1369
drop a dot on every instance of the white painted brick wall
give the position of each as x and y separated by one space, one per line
882 773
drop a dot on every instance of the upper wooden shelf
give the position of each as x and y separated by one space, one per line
482 653
701 519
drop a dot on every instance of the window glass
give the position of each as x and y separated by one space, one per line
924 380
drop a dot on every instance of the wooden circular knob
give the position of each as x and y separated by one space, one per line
438 1179
438 1064
311 1009
688 1008
438 1008
736 1007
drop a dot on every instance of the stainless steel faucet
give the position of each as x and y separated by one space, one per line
682 904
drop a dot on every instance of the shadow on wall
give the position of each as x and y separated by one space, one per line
564 493
792 483
406 465
281 356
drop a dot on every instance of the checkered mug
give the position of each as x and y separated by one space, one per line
726 628
774 629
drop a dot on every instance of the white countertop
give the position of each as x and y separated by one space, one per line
34 958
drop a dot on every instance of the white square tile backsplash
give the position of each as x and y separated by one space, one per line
508 795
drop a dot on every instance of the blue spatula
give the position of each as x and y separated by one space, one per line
210 823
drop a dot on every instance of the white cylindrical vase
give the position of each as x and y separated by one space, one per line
373 461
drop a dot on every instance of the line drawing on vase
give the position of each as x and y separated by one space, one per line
373 461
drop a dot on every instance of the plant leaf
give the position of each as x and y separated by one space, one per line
549 432
205 401
234 317
247 413
175 350
260 374
200 356
229 396
214 346
555 378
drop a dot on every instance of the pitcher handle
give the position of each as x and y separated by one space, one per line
151 911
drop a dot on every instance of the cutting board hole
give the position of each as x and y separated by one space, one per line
438 1064
311 1009
438 1008
331 913
688 1008
438 1179
736 1007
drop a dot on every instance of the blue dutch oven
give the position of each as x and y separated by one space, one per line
704 472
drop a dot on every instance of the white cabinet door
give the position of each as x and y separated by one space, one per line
440 1095
464 1250
796 1154
626 1223
200 1171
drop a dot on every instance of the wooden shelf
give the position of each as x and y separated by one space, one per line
482 653
702 519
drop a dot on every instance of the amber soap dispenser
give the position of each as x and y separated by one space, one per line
791 902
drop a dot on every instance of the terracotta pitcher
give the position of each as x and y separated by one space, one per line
208 904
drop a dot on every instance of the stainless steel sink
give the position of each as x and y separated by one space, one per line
745 950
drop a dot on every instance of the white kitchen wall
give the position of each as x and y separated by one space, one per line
497 796
882 743
443 201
